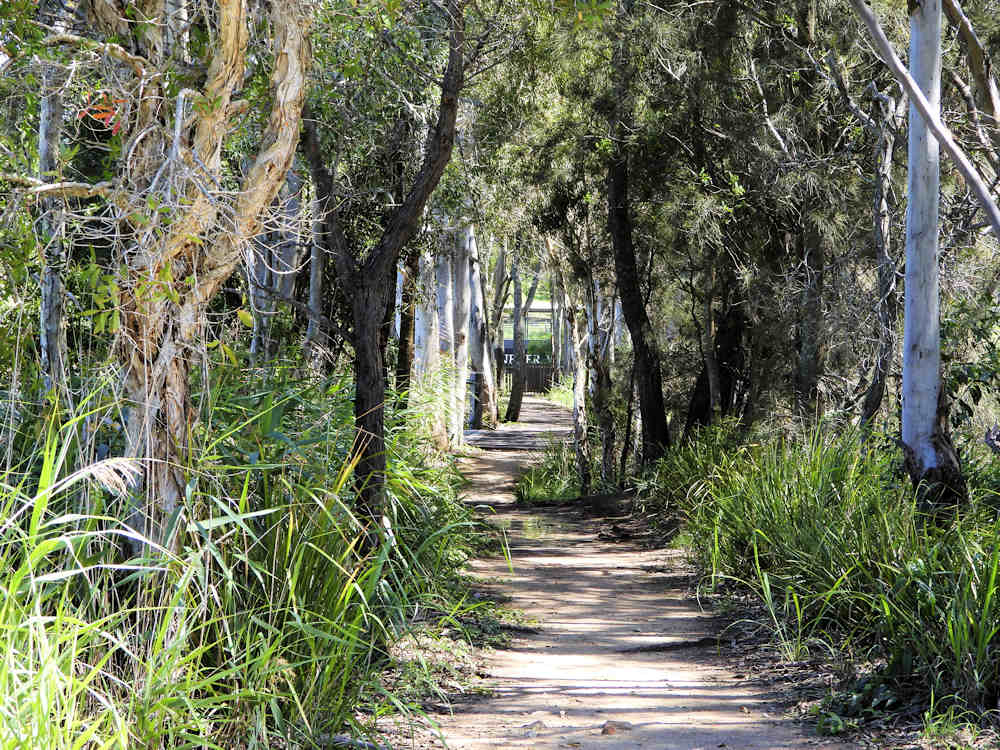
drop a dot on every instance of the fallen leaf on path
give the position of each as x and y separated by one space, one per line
614 727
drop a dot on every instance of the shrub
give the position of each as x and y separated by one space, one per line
824 523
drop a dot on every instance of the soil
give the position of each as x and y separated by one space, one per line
623 655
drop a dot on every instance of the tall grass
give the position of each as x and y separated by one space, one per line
553 477
827 532
263 625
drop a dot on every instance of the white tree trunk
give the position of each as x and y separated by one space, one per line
480 342
446 332
617 329
53 292
576 329
272 264
426 348
461 273
398 316
921 332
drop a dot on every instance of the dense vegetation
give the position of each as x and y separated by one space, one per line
260 262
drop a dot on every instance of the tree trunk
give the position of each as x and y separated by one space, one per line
931 459
579 400
315 340
480 344
444 274
407 326
159 329
517 370
600 380
427 349
810 328
400 226
369 400
461 270
655 430
53 292
501 288
887 302
649 382
273 265
708 345
557 322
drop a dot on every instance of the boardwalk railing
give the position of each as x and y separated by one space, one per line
537 378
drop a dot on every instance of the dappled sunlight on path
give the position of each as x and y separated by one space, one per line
621 659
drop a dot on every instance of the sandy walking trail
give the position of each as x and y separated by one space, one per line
614 620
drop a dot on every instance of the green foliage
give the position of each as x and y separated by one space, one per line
553 478
265 623
833 544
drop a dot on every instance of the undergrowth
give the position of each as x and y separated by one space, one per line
825 530
552 477
262 625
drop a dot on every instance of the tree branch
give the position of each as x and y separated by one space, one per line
138 63
39 187
979 60
939 129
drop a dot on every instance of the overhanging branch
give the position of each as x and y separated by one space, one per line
938 128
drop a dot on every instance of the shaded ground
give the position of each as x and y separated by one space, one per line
623 658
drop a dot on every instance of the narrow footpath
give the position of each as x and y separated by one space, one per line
622 657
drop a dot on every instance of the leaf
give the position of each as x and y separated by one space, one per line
245 317
230 354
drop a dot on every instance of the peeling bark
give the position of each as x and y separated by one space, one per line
461 271
53 292
480 343
583 460
172 280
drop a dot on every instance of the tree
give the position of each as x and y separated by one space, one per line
370 276
649 381
177 233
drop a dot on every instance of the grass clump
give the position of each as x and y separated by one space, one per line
827 533
561 392
552 478
262 626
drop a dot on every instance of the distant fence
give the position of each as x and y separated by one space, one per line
537 378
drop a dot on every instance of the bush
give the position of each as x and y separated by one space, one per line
827 534
553 478
260 628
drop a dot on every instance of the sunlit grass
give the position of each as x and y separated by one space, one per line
263 626
825 529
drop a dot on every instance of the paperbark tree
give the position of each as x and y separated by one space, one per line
480 343
461 271
177 234
407 325
53 292
272 265
582 446
444 272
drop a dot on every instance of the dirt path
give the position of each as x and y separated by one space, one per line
606 611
